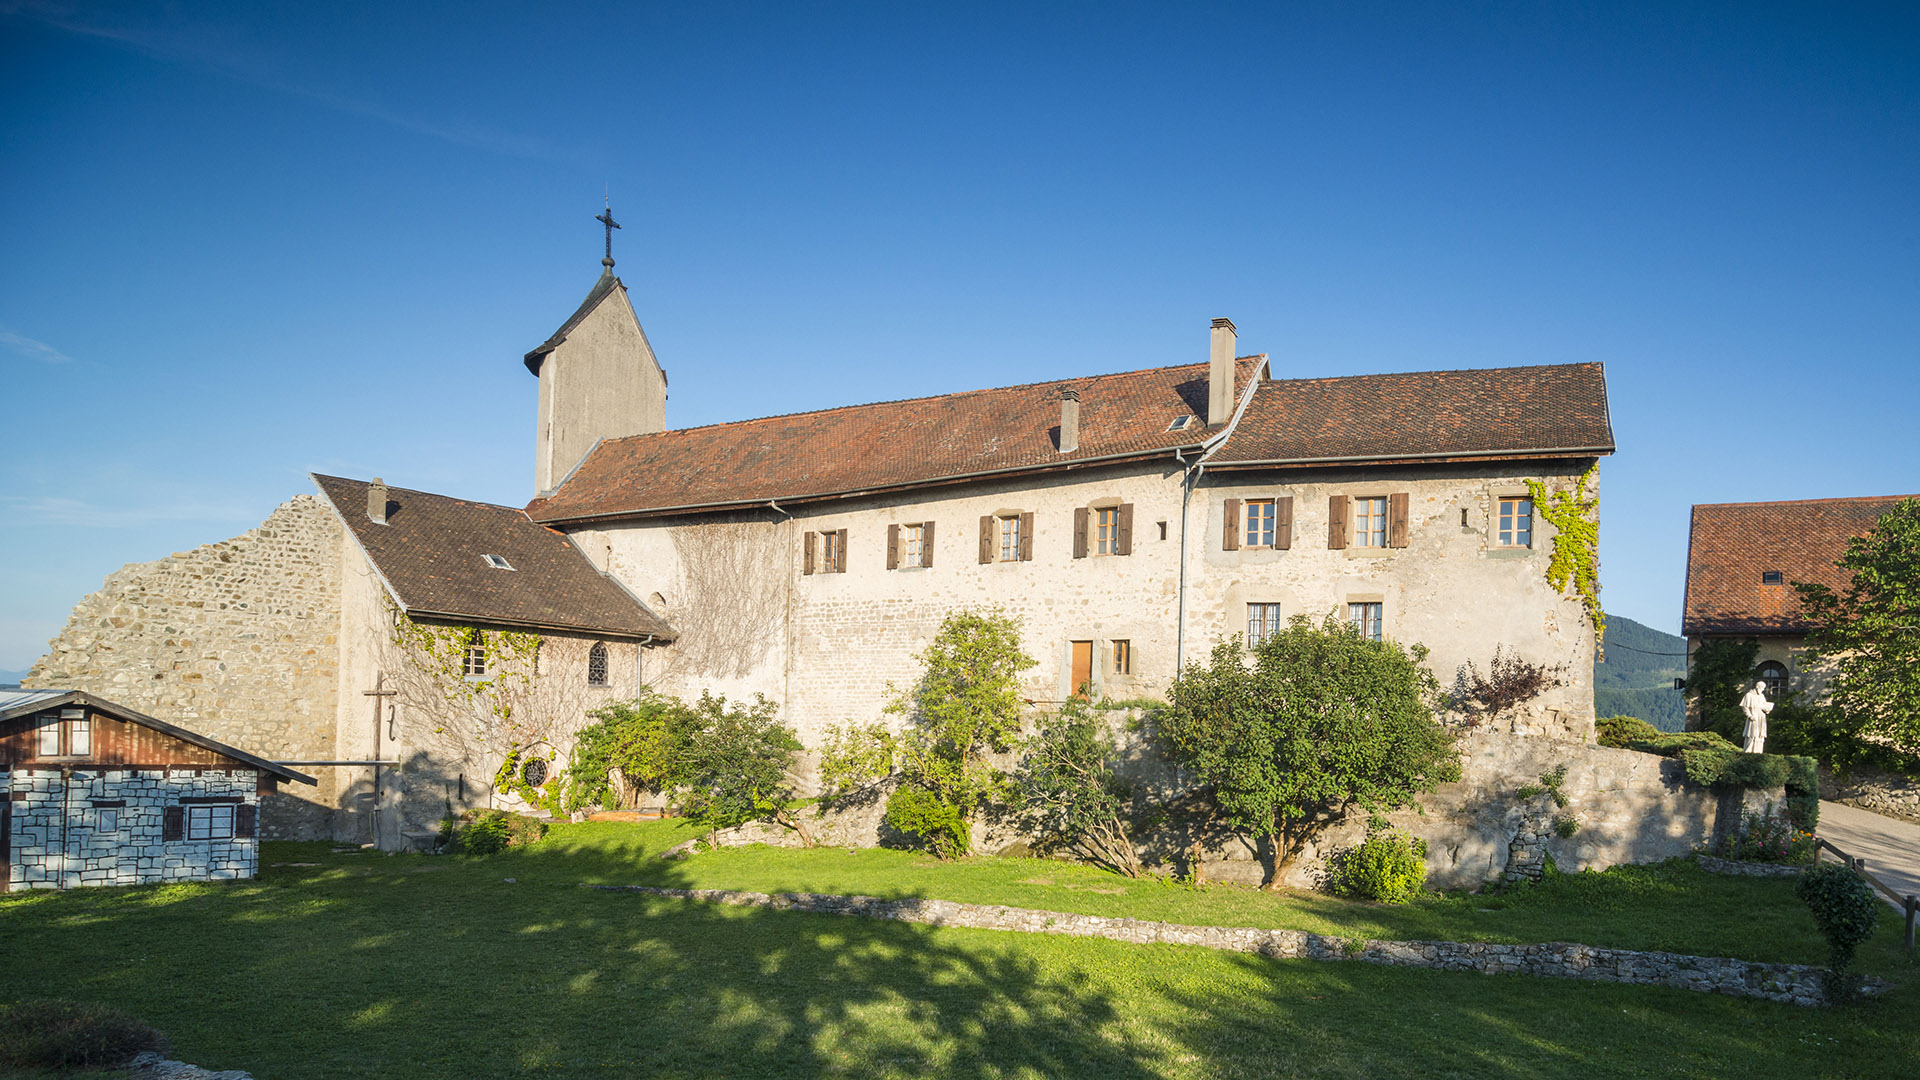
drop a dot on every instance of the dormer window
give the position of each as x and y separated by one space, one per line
1182 423
498 562
1771 577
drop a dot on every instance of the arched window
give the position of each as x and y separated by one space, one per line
1774 674
597 664
474 664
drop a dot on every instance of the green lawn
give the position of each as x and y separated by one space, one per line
372 965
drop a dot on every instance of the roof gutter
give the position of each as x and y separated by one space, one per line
1545 452
489 620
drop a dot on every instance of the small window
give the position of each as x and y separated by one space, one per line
210 822
1366 619
597 664
1106 530
1182 423
1774 674
833 552
106 820
1123 657
474 663
912 541
498 562
1163 530
1771 577
50 739
1010 538
1263 621
1370 521
1516 523
1259 515
79 737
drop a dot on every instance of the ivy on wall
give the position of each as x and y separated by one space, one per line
1575 517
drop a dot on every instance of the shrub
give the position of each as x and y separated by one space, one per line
736 764
1622 732
1844 908
925 816
646 739
854 759
1510 682
494 831
1766 838
1732 769
1390 867
67 1034
1066 794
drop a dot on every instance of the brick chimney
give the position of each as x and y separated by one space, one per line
1220 372
1069 421
377 501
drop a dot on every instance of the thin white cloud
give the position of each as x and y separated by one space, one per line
31 349
200 48
52 510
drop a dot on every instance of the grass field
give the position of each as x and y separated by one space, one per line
374 965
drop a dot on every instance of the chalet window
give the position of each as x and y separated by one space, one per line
69 736
1370 521
1122 657
597 664
1774 674
1263 621
1366 619
474 664
79 737
210 822
50 739
1516 522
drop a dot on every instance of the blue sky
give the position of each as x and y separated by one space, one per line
241 242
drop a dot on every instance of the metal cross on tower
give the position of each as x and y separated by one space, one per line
606 219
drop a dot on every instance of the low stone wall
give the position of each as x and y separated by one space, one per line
1794 984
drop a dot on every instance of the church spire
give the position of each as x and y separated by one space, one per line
606 218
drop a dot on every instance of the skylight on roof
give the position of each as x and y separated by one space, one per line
1182 423
498 562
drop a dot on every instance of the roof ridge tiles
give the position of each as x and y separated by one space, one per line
1440 371
1807 502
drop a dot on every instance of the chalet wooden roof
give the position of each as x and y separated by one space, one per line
432 555
1733 544
1557 410
17 704
888 445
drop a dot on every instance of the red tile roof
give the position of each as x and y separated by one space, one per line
1734 543
432 552
886 445
1492 412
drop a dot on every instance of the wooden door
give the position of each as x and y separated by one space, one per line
1082 669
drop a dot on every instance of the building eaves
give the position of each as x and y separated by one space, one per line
14 708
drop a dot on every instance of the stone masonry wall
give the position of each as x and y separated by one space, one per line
58 841
235 640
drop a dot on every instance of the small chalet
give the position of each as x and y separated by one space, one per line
93 793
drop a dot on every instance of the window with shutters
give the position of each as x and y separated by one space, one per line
1103 530
1366 618
1370 521
833 552
910 544
210 822
1259 523
1263 621
1516 522
1010 538
597 664
1122 657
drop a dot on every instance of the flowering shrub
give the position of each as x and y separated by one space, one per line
1766 838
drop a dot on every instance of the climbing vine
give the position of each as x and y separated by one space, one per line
1575 517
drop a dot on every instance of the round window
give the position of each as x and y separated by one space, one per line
534 772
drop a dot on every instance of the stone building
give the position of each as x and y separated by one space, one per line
1131 521
94 793
1742 562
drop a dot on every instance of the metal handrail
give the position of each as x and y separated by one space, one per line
1909 903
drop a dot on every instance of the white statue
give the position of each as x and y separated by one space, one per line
1755 704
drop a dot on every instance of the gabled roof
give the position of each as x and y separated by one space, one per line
1552 410
15 704
432 555
600 291
1732 544
887 445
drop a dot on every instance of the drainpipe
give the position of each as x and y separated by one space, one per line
1190 476
786 665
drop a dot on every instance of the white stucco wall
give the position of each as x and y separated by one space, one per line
602 382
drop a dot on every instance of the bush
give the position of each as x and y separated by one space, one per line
1390 867
1766 838
925 816
1622 732
67 1034
1847 913
494 831
1732 769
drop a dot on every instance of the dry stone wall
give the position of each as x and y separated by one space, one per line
60 840
236 640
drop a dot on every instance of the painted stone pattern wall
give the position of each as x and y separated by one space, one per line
58 840
829 644
237 640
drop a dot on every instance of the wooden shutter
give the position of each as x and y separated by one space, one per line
1123 542
1080 533
1026 537
1231 541
1337 521
987 538
893 547
806 554
246 820
1397 509
173 823
926 544
840 556
1283 521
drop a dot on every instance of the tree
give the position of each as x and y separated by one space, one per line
736 766
965 706
1323 724
1718 673
632 745
1869 634
1066 794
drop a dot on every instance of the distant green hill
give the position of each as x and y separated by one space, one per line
1636 678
